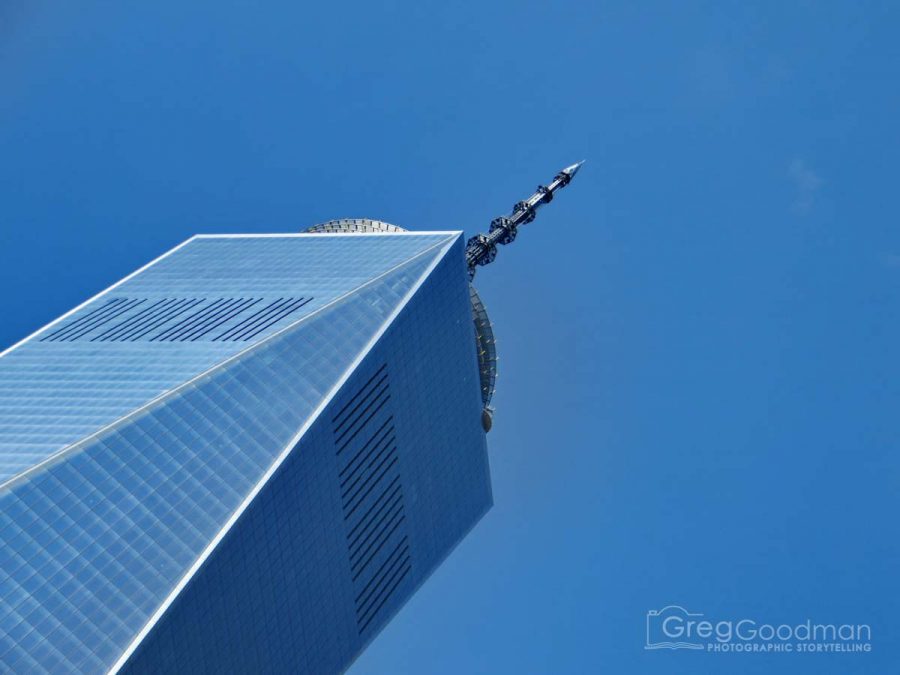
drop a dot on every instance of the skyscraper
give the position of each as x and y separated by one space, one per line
245 456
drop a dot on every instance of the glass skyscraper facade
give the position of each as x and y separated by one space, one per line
244 457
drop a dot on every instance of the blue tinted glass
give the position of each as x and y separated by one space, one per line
93 543
392 474
70 381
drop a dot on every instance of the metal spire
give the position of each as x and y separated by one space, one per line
482 248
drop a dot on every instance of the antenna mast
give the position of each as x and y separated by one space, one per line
482 248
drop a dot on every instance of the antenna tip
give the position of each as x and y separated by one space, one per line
570 171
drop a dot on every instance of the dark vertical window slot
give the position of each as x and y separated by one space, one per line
281 314
175 310
72 325
118 311
223 317
122 327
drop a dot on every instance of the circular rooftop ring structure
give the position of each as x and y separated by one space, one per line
485 345
354 225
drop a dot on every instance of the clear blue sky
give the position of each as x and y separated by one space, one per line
698 400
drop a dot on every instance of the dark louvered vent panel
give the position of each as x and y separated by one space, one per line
257 322
145 322
372 497
207 318
178 320
93 320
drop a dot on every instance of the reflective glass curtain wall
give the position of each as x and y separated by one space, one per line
247 455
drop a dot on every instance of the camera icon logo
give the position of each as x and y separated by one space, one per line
671 628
